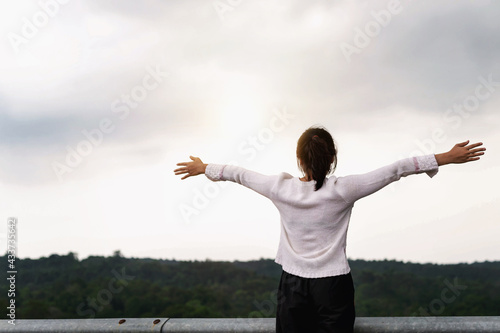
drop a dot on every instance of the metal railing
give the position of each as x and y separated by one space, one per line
257 325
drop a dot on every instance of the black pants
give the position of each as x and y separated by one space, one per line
321 305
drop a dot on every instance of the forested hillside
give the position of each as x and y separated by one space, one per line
104 287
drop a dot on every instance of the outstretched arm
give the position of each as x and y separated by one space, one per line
262 184
355 187
194 168
461 153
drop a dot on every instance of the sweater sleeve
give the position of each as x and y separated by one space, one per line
355 187
260 183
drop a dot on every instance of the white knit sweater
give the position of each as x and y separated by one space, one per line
314 223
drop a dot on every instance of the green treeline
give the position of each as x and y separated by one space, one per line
110 287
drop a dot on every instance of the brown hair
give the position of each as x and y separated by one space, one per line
318 154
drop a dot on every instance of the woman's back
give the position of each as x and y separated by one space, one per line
314 223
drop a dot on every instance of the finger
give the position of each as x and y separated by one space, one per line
192 157
179 169
472 151
181 172
463 144
186 176
183 163
478 153
474 156
474 145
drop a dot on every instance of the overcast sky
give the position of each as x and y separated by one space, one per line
100 99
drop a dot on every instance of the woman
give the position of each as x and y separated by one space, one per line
316 292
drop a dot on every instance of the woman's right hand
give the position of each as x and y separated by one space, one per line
461 153
196 167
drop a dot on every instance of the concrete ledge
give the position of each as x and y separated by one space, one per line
427 324
257 325
84 325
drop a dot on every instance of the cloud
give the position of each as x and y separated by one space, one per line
226 74
423 61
